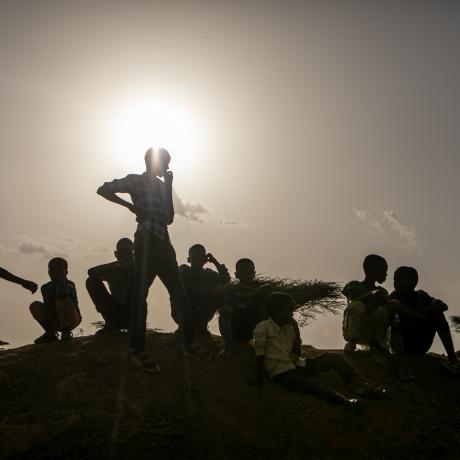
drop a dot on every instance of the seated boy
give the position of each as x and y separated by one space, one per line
367 316
200 284
29 285
114 304
242 306
277 346
59 310
420 316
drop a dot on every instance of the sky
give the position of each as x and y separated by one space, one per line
304 135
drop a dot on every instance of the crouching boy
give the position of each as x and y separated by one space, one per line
277 345
59 310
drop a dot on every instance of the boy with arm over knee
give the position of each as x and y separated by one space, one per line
421 316
114 304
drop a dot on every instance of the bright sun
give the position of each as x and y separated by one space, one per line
155 122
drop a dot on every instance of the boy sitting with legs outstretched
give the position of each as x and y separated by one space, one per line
277 346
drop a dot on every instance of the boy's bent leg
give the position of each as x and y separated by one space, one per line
45 315
302 384
326 362
356 322
443 330
102 299
380 322
67 314
144 273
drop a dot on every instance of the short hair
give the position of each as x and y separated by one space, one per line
372 261
244 262
197 247
157 153
124 242
409 272
277 300
58 262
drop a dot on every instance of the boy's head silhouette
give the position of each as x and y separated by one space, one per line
280 307
57 267
405 279
125 251
245 271
375 268
197 256
157 161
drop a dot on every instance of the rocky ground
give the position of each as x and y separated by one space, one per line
81 400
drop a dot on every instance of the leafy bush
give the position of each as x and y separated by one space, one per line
312 297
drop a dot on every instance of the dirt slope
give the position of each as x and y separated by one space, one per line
81 400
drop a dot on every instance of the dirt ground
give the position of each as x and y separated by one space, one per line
81 400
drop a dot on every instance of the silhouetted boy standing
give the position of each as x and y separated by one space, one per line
152 204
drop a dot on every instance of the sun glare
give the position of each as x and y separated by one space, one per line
156 123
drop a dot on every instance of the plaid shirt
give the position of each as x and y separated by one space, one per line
147 193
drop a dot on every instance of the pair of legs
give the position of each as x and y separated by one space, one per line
415 336
116 315
363 327
301 379
63 316
155 257
203 311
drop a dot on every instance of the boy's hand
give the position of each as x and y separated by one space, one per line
30 286
168 177
141 213
210 258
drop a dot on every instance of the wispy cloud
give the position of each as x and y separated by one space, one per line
196 212
385 222
47 247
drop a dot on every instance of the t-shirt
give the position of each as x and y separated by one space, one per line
199 284
357 291
276 344
48 291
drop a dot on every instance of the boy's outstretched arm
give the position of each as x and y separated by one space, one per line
26 284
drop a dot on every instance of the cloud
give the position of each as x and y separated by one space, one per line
100 249
189 211
385 222
196 212
60 246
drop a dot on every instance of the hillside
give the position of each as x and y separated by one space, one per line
81 400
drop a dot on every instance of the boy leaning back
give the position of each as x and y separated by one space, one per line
277 346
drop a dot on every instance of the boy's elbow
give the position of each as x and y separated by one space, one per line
102 190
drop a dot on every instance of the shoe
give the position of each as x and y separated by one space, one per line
142 360
105 330
66 335
47 337
349 348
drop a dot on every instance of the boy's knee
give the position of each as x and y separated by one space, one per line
91 282
36 307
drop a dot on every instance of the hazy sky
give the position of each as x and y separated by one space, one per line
304 134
